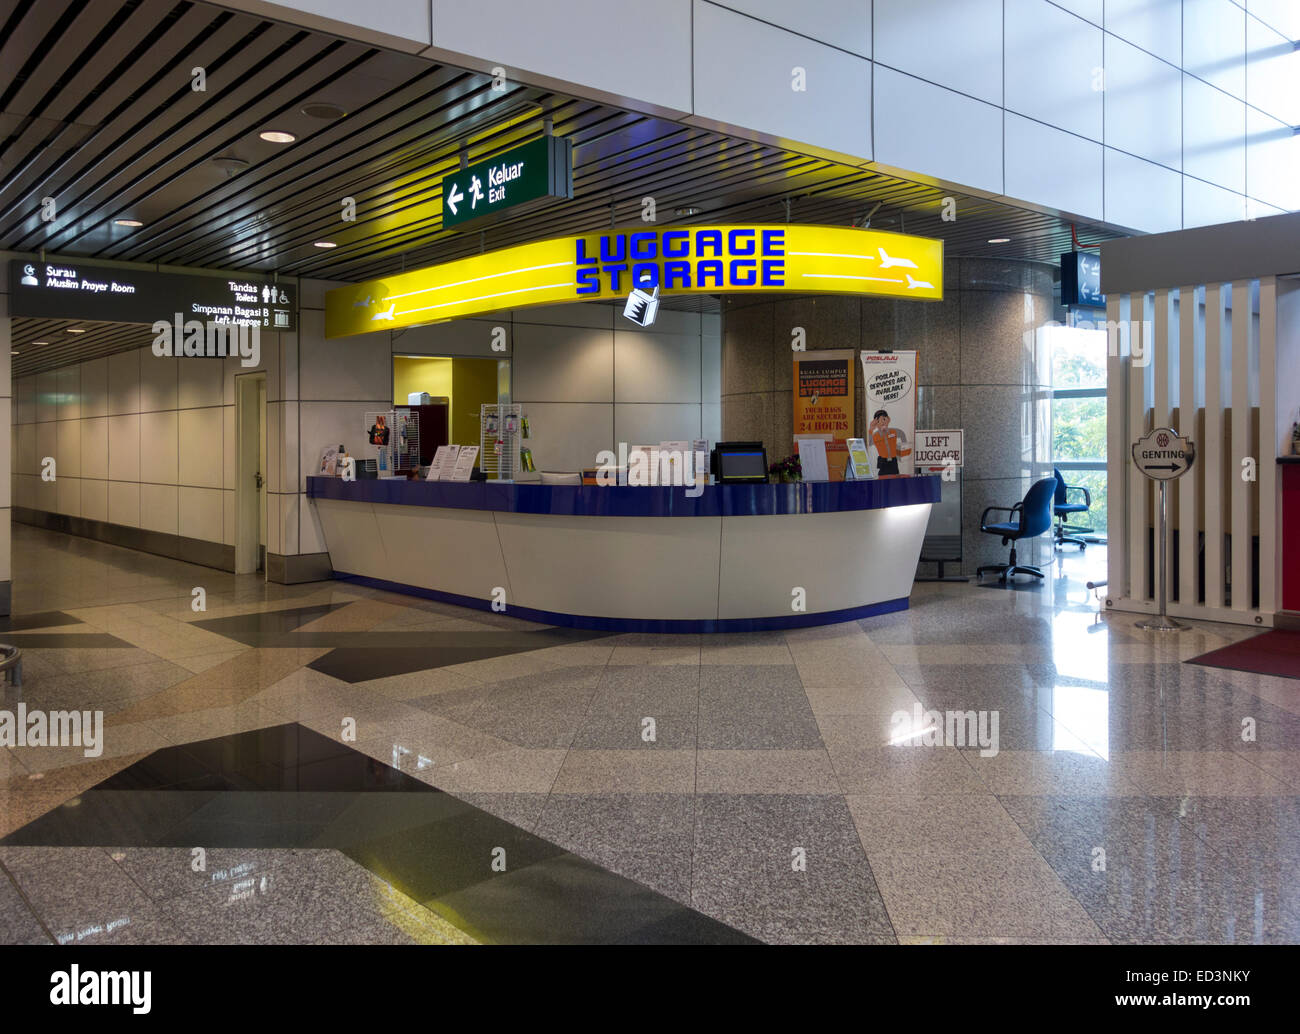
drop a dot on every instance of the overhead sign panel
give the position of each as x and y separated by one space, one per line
1163 454
678 261
71 289
512 182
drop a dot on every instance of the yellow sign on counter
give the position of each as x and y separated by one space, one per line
786 258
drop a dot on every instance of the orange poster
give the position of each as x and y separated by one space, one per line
823 403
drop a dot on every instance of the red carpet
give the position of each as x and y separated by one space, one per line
1272 653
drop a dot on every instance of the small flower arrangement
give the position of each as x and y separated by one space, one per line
786 470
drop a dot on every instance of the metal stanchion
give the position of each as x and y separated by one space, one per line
1163 455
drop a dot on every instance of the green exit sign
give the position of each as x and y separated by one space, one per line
512 182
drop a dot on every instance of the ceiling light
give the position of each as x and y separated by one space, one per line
127 222
324 244
14 351
230 164
275 136
40 342
75 330
322 110
999 240
687 210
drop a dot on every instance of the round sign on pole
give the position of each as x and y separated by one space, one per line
1162 454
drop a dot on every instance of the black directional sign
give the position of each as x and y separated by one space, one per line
511 182
1163 454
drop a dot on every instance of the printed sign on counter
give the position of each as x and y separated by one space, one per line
823 402
443 462
465 460
812 459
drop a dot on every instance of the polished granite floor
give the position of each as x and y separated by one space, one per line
350 760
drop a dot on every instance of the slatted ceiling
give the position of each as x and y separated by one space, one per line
99 114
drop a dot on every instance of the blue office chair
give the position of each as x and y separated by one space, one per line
1062 509
1032 517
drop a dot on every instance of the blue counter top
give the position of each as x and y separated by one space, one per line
624 501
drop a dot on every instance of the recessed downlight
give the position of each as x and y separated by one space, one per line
686 210
75 330
323 110
324 244
14 351
999 240
40 342
277 136
127 222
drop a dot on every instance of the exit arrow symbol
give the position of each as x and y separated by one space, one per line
1171 466
454 198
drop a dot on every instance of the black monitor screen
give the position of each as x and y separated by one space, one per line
742 464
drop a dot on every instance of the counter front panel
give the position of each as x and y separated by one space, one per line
735 558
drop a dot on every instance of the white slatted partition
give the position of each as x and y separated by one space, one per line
1212 447
1168 344
1205 322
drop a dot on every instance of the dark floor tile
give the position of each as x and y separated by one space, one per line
744 870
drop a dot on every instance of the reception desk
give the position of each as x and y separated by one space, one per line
735 558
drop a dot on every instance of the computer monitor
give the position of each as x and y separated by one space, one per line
741 463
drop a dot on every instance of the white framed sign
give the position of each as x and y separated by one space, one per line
936 450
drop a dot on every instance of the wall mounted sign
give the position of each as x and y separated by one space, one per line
936 449
679 261
71 289
823 405
524 177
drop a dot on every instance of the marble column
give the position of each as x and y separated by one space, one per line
980 367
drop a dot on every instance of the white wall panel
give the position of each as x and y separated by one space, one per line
124 448
68 496
954 43
159 508
25 400
921 126
1052 61
1272 72
69 448
47 396
1153 25
1283 15
563 364
1272 161
158 452
1206 205
94 499
615 46
1214 135
94 447
338 368
199 513
69 390
1144 103
94 387
158 380
567 435
845 24
650 424
1058 169
656 367
124 503
1214 40
1141 195
1092 10
201 448
124 382
743 77
199 384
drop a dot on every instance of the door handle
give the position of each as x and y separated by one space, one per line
258 478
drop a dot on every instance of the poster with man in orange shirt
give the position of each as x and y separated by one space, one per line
889 384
